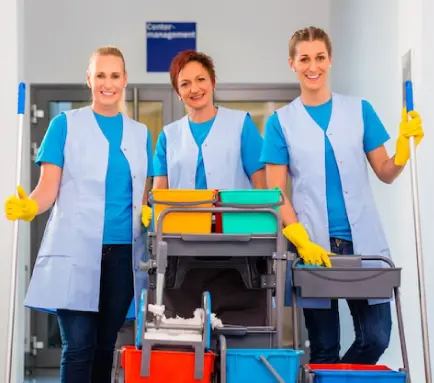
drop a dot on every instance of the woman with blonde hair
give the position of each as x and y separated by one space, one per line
95 162
325 140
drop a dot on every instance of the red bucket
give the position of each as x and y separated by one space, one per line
166 366
218 217
347 367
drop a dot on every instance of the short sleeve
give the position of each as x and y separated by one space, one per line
251 146
160 159
375 133
53 144
275 148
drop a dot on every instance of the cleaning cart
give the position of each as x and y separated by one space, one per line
251 229
350 278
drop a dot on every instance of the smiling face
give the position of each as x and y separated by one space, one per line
311 63
107 79
195 86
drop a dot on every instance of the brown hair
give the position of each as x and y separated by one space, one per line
183 58
309 34
112 51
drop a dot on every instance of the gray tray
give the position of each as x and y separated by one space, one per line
347 282
215 245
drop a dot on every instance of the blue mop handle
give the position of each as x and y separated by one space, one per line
21 97
21 108
417 227
409 95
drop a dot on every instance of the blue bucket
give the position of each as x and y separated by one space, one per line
256 365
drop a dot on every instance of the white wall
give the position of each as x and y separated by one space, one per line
248 40
367 63
11 41
420 36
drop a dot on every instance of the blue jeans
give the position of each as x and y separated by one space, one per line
89 338
372 326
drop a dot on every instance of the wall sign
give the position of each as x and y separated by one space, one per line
165 40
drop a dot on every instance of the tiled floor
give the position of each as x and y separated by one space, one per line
49 376
44 376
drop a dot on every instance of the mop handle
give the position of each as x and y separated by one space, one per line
21 98
409 96
418 236
14 261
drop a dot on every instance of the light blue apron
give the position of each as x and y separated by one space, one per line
306 146
68 267
221 152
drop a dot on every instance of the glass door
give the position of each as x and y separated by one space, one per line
260 101
152 105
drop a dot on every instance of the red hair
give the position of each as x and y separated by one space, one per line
183 58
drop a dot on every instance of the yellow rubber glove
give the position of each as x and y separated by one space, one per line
146 215
407 128
311 253
20 207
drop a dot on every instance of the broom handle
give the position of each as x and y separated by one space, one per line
419 260
418 237
14 263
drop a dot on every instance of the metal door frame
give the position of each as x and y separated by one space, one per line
246 93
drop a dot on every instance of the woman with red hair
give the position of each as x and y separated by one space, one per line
210 148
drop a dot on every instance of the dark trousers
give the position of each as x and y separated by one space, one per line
89 338
372 326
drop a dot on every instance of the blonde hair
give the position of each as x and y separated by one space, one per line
112 51
309 34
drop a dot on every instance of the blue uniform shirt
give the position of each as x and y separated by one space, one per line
251 144
275 151
118 204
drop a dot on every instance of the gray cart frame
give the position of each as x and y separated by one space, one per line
348 279
269 246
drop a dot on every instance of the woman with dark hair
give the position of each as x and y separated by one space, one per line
210 148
